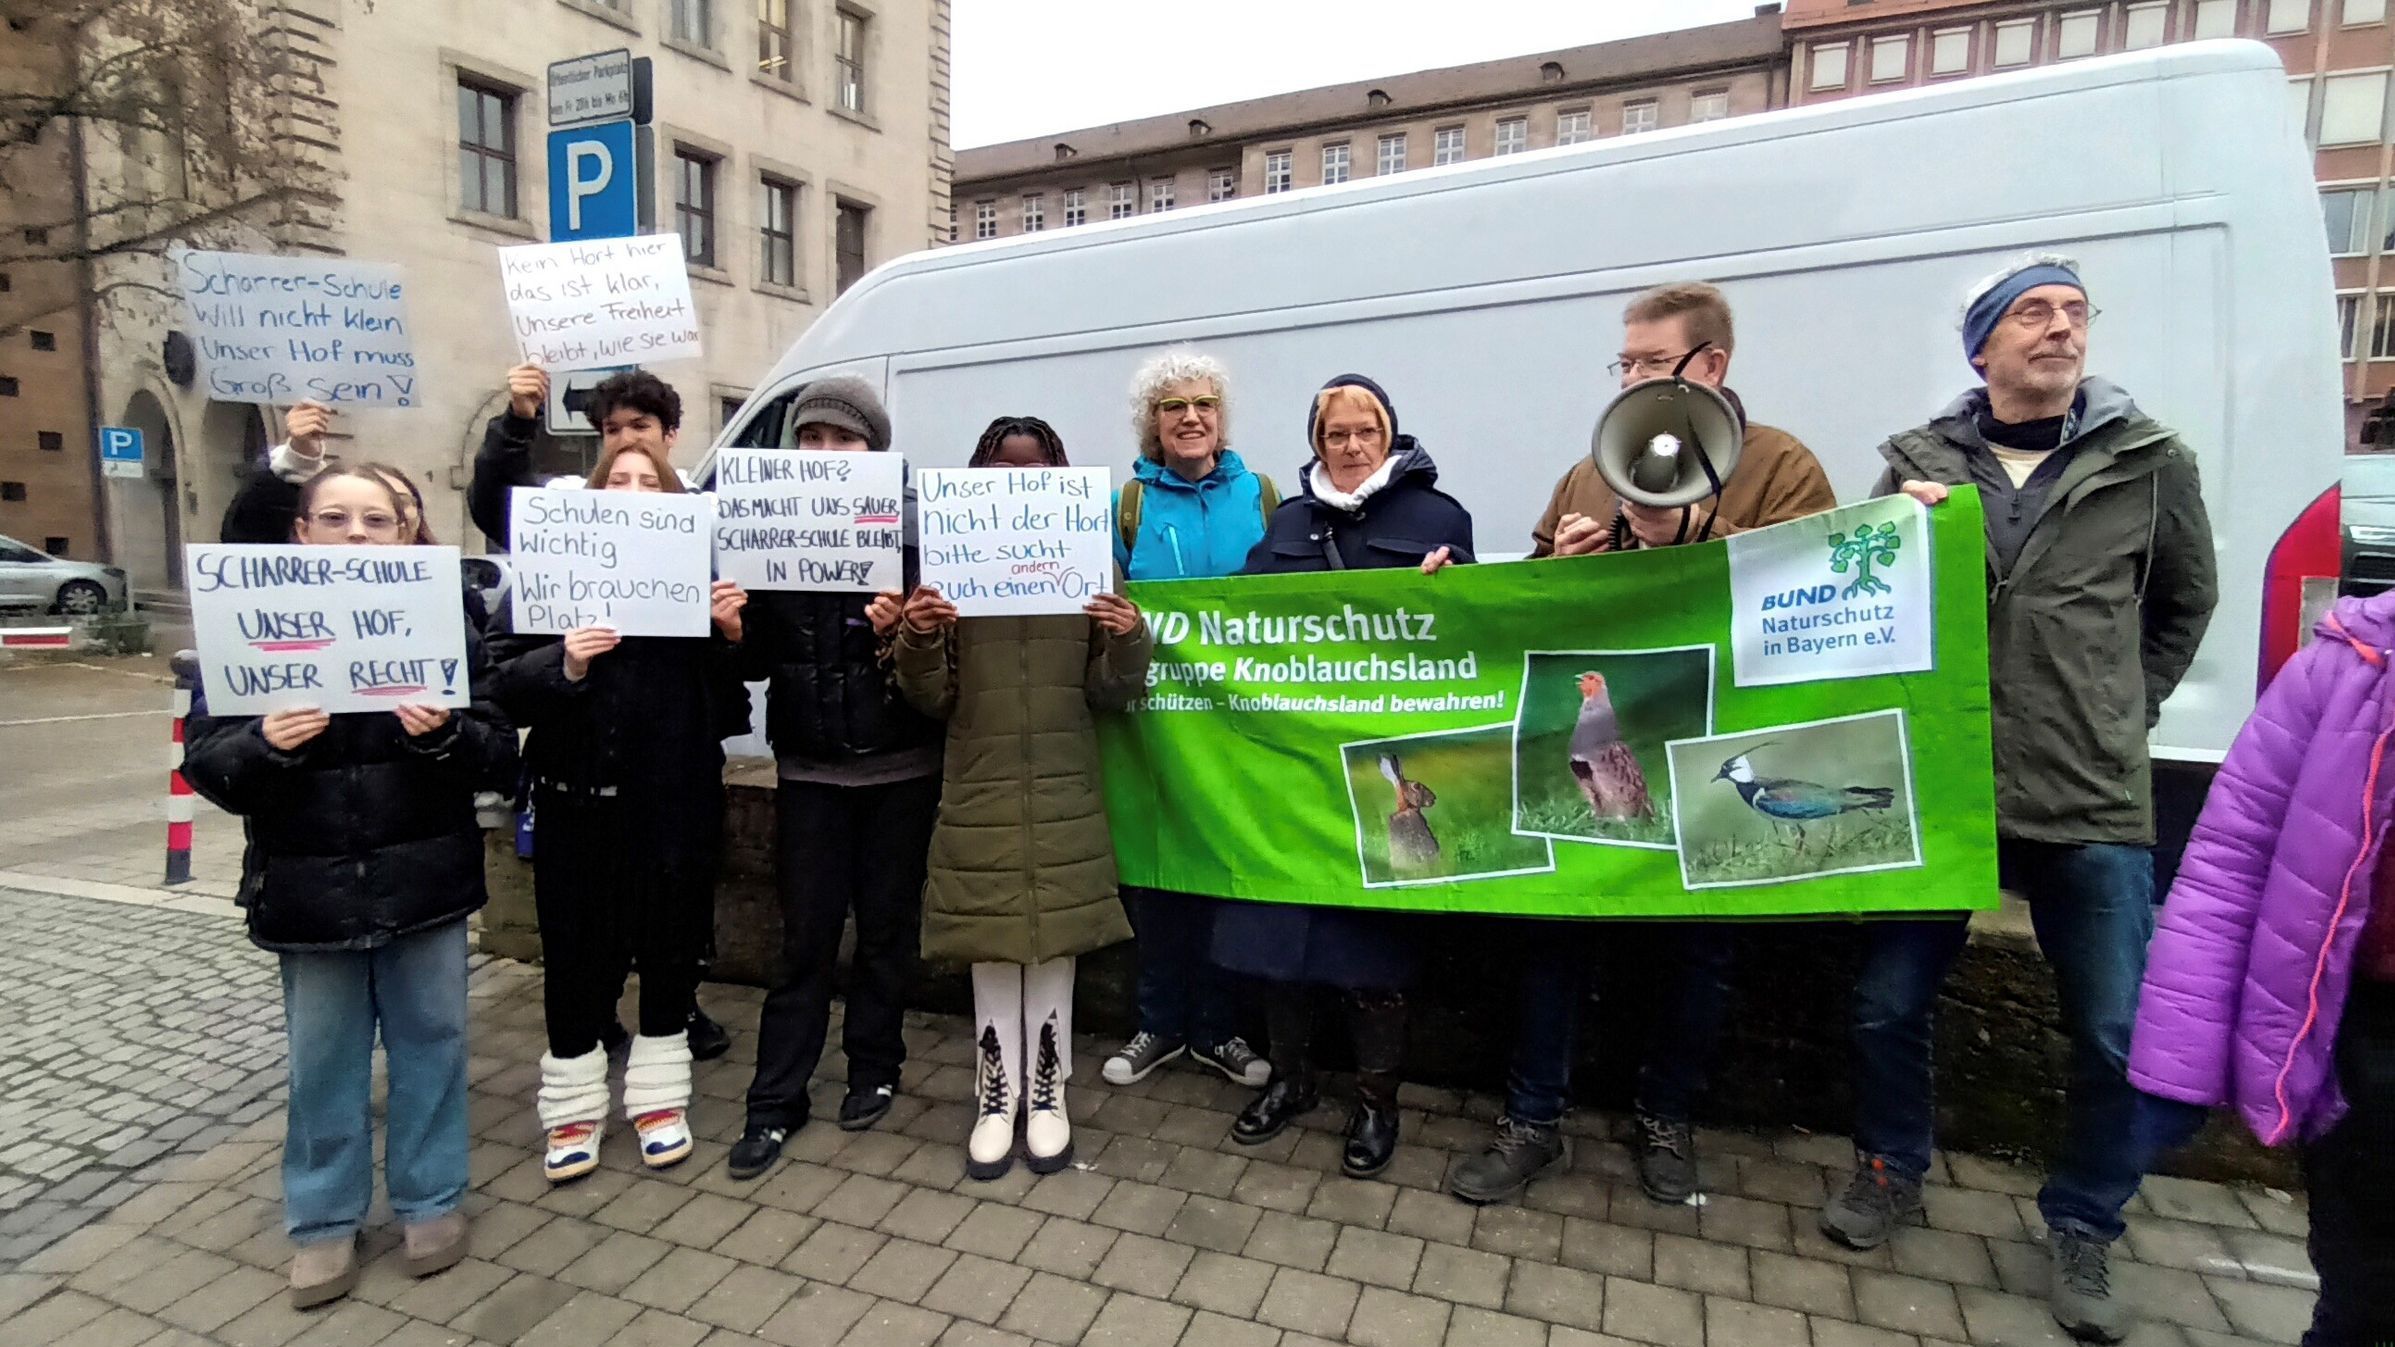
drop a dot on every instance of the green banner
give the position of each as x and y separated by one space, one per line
1792 721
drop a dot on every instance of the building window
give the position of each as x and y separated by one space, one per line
12 491
849 228
2382 329
2299 95
2353 108
6 284
1572 127
2016 43
1123 204
1391 158
1160 196
694 205
1829 66
2349 322
775 44
486 149
1277 172
1513 135
2358 12
1076 208
694 22
1035 212
1891 58
2075 34
985 219
51 441
2143 25
1447 145
1639 116
952 222
2293 16
43 341
55 545
8 386
2346 211
1711 105
1950 51
1222 185
849 62
1334 164
2216 18
777 231
727 411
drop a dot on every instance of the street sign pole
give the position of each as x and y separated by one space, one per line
601 156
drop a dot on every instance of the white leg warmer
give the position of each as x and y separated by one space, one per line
573 1089
657 1074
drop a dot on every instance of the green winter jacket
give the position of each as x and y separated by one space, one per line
2097 620
1022 862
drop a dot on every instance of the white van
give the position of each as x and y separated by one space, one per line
1486 297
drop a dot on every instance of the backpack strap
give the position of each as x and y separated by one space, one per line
1268 496
1126 512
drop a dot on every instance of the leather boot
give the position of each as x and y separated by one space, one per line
1289 1018
1377 1021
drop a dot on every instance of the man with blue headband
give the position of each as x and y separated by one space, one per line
2100 584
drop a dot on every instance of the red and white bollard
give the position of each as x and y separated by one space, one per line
179 805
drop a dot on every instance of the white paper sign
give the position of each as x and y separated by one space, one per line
819 519
633 560
1845 594
288 329
1016 540
280 625
600 302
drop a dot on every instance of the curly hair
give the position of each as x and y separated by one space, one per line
1051 444
1180 364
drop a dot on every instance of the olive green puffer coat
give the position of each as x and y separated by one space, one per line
1022 862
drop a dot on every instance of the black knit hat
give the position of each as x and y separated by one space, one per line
847 402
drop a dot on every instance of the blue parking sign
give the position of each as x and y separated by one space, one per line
594 182
120 451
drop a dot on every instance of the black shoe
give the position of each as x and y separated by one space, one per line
1371 1138
1666 1155
708 1040
1519 1153
1268 1114
865 1105
615 1038
756 1150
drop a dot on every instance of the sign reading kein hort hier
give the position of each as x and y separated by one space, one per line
595 302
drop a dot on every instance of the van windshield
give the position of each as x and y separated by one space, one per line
2370 476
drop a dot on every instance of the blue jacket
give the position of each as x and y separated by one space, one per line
1189 530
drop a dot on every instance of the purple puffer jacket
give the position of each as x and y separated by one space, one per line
2247 975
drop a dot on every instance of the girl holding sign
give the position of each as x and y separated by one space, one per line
364 860
1022 863
626 770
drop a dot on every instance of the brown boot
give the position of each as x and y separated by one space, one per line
436 1245
323 1272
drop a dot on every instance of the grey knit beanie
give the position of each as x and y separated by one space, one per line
845 401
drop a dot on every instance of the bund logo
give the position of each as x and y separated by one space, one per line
1868 547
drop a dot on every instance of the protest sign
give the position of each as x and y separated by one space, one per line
337 628
290 329
601 301
636 561
1000 541
817 519
1564 738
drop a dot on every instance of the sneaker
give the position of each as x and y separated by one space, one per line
1877 1200
435 1245
573 1151
323 1272
1140 1057
1047 1132
1519 1153
755 1151
864 1106
664 1137
2081 1296
1235 1059
708 1040
1666 1154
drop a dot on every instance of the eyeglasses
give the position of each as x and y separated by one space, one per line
2037 313
1337 439
373 521
1176 406
1648 364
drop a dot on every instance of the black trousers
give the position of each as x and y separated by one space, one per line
838 850
609 903
2351 1176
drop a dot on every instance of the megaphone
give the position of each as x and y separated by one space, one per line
1667 442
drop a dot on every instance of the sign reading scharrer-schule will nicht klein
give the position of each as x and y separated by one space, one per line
1793 721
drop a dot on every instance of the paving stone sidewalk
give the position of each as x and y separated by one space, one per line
1164 1232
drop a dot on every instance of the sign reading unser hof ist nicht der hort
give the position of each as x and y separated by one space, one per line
1792 721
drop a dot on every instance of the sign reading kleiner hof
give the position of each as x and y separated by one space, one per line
336 628
818 519
636 561
1013 541
288 329
599 302
1843 594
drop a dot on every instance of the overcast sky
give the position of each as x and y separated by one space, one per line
1031 67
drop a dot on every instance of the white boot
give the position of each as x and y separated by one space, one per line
1048 1017
573 1109
657 1098
998 1072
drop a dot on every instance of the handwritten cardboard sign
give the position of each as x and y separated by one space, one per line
1017 540
337 628
599 302
819 519
284 329
633 560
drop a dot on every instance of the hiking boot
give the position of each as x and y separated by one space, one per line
1877 1200
1666 1155
323 1272
865 1105
2081 1295
990 1145
708 1040
1237 1061
1519 1153
1047 1130
1140 1057
755 1151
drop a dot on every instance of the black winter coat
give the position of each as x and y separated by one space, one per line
503 463
263 509
830 694
362 834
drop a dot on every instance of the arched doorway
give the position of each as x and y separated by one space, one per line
147 511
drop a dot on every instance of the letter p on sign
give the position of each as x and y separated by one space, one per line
594 191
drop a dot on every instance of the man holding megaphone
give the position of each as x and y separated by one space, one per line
1674 461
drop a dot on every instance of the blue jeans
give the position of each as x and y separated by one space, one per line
1552 961
414 989
2093 909
1183 996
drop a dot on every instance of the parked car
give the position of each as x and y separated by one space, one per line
33 581
2369 492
